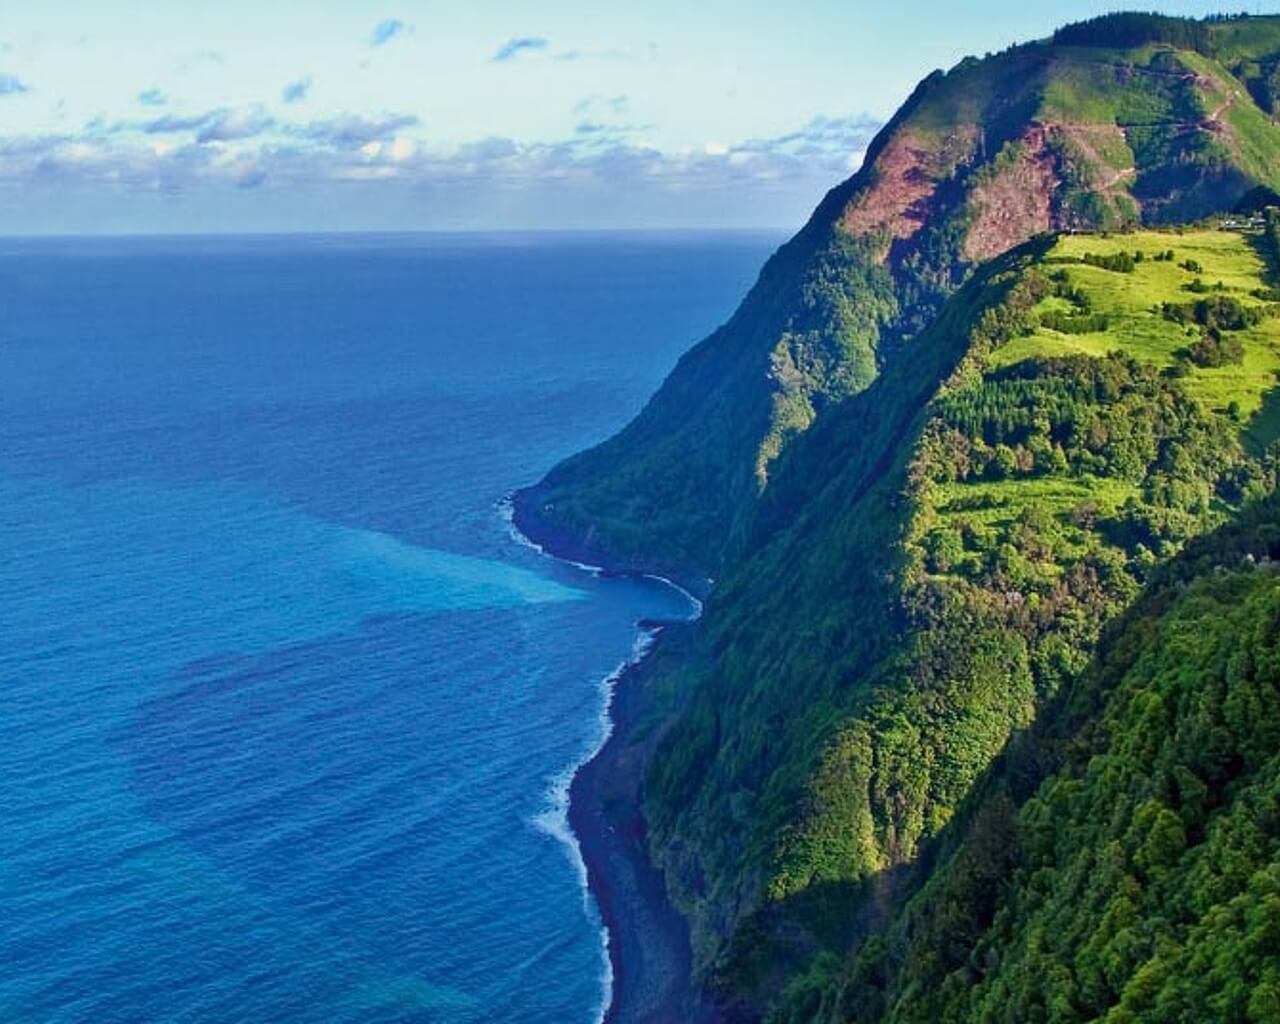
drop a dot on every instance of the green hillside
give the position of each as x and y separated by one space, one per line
1046 136
994 501
964 430
1122 861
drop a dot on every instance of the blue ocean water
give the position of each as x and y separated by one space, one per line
286 709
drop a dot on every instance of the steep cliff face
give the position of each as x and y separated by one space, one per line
1043 137
945 439
1122 860
930 565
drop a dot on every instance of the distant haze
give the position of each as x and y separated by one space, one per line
144 116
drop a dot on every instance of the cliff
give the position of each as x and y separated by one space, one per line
965 419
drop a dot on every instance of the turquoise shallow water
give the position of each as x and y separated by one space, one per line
286 708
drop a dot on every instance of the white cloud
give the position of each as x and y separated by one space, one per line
296 92
245 149
512 48
233 125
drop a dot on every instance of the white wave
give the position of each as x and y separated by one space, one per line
554 820
507 512
694 602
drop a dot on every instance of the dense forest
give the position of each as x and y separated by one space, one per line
1133 29
1124 858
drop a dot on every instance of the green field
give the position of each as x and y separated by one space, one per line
1136 326
1067 505
998 502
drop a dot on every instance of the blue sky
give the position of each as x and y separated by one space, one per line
285 115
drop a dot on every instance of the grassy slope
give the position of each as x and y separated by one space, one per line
850 690
1136 328
1130 300
1247 39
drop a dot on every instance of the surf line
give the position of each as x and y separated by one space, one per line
554 820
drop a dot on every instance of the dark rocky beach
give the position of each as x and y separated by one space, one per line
648 939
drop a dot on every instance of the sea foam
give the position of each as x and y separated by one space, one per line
554 818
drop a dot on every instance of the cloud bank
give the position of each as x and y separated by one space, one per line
180 152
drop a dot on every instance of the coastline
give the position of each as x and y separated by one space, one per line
585 551
647 939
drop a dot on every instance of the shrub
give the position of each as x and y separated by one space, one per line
1120 262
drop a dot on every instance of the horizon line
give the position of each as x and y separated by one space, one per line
398 232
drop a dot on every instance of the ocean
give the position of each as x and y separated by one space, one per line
288 711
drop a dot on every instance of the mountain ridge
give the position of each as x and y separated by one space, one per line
957 426
978 160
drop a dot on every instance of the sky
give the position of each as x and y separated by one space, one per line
172 116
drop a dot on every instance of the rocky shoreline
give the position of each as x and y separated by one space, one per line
648 939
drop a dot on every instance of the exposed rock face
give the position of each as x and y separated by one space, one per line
1017 203
897 202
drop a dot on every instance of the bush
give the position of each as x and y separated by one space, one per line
1120 262
945 547
1213 350
1220 313
1080 324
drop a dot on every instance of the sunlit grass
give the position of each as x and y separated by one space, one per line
1136 327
